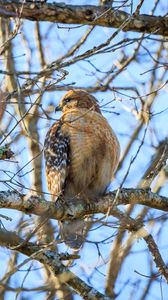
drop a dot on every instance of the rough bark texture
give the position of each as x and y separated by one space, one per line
77 208
86 15
53 260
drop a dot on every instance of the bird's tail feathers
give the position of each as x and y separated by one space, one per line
73 233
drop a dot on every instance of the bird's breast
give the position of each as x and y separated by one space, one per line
94 152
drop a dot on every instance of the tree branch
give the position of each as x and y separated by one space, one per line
84 15
53 260
76 208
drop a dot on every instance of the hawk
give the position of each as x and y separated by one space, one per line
81 153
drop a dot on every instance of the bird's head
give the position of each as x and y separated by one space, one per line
78 99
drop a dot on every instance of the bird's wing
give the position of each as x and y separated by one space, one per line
56 152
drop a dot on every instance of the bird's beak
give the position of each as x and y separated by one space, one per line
58 108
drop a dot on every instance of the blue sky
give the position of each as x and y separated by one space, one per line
56 43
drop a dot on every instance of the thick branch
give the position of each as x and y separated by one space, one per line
12 241
77 208
52 260
86 15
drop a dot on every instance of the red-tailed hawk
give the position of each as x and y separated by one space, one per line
82 154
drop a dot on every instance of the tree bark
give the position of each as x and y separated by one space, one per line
77 208
84 15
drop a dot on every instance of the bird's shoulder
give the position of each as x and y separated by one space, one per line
84 119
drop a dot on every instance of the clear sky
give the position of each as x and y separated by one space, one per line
56 41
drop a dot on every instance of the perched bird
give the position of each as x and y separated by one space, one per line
82 153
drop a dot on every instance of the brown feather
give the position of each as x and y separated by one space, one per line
90 152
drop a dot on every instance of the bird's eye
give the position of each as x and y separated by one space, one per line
66 100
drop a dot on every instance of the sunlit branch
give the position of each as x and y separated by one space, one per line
84 15
53 260
76 208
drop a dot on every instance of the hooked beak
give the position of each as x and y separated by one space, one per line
58 108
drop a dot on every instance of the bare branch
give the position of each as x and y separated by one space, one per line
53 260
76 208
85 15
